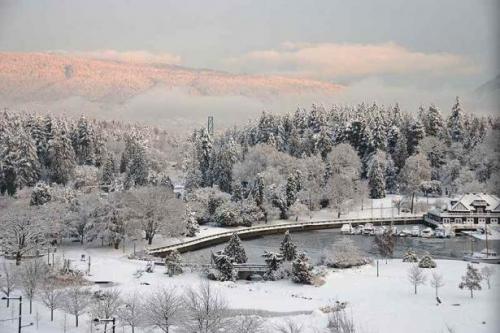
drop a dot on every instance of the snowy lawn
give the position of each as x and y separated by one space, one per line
384 304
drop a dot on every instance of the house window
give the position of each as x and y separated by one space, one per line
446 220
470 220
494 220
458 220
482 220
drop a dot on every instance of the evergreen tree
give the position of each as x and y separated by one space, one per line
434 123
301 270
224 156
60 156
138 169
471 280
287 248
192 226
400 152
416 132
376 181
203 144
224 265
115 230
83 142
25 159
292 187
235 250
456 122
108 174
273 262
391 177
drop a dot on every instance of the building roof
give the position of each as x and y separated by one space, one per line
467 202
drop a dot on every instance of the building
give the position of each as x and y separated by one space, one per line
470 210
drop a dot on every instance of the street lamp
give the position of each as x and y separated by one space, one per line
106 320
20 299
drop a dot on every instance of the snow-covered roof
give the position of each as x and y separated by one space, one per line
467 202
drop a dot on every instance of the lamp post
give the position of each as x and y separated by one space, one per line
106 320
19 325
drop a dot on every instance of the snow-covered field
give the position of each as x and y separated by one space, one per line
383 304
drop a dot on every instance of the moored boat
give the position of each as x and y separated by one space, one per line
485 256
368 229
427 233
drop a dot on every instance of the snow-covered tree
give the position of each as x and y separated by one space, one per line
301 269
385 243
206 310
40 194
434 124
224 264
456 123
436 281
235 250
173 262
273 262
131 312
8 280
32 274
471 280
487 272
163 308
416 276
60 156
108 174
287 248
376 181
106 304
192 226
137 168
51 296
83 142
416 170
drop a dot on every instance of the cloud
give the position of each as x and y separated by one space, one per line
331 60
138 56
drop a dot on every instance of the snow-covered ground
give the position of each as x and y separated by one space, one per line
383 304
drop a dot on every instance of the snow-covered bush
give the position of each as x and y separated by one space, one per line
205 201
427 262
235 250
410 256
86 178
301 270
343 254
228 215
192 226
173 262
40 195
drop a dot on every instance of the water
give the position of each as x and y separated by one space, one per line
315 242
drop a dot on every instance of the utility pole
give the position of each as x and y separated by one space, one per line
20 321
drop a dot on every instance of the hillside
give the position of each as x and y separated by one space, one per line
28 77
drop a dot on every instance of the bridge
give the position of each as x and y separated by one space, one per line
252 232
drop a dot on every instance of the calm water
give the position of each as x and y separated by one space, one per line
314 242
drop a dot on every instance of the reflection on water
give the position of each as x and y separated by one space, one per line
314 242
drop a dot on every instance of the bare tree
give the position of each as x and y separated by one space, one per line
487 272
163 308
24 229
131 312
8 281
385 244
32 274
416 276
76 301
106 305
206 310
436 281
52 297
158 211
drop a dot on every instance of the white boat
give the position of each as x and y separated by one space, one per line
346 229
404 233
358 230
440 232
368 229
427 233
485 256
415 231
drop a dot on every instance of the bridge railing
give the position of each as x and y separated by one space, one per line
283 226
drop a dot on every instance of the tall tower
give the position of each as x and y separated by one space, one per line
210 126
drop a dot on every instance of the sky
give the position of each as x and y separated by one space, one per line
382 49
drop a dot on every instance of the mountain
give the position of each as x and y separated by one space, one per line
28 77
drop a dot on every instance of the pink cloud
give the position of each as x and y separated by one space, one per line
330 60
